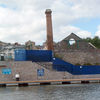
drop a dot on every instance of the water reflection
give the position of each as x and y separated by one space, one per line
52 92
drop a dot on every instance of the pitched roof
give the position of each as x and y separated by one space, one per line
72 35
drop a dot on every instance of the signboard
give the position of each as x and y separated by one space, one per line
40 72
6 71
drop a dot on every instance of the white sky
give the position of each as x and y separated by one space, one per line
23 20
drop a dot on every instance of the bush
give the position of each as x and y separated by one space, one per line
78 64
87 64
58 56
97 64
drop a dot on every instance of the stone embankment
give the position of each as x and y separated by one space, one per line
28 72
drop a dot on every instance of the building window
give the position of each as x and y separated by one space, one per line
72 41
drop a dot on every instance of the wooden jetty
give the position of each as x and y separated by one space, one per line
49 82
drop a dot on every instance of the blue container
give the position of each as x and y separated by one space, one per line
39 55
20 55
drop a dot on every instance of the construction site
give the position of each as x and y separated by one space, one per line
57 63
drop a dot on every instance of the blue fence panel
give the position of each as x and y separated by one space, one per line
86 70
20 55
39 55
61 65
77 70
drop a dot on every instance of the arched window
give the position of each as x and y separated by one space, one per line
72 41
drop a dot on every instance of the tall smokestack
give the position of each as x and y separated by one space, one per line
49 29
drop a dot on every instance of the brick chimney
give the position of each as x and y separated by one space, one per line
49 29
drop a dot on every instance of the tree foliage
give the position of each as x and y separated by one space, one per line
95 41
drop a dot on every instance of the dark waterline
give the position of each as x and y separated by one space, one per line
52 92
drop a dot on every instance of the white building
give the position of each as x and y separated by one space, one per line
7 52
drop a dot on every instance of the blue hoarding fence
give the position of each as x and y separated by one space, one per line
39 55
61 65
6 71
58 64
40 72
86 70
20 55
33 55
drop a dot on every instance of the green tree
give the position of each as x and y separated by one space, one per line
95 41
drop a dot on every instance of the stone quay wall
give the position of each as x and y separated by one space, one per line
28 72
78 56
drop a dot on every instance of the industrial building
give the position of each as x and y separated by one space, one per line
75 50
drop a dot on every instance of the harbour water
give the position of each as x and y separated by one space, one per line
52 92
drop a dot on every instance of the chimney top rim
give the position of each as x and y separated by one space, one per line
48 11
